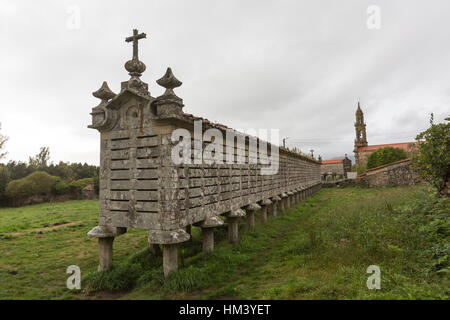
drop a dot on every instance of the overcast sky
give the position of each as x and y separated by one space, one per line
299 66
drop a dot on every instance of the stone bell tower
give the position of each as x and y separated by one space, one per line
360 129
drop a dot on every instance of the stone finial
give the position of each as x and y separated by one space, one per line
169 82
135 67
168 103
320 158
104 93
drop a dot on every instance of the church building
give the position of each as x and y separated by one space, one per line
362 149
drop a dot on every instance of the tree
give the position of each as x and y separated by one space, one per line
384 156
432 158
41 159
3 140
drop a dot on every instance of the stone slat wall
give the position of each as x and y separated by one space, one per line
142 188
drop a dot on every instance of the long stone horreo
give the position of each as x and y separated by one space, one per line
142 185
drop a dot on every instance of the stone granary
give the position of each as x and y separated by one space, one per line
363 150
142 187
336 168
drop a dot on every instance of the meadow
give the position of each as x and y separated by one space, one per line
319 249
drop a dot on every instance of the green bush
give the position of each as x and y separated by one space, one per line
433 157
37 183
81 183
60 187
384 156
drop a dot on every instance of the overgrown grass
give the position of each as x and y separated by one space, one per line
319 250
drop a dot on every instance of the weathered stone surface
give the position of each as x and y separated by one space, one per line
168 237
399 173
170 258
105 253
276 198
207 239
235 213
211 222
233 229
105 232
252 207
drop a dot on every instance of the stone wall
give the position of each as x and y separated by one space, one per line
399 173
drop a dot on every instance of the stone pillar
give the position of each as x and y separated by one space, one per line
170 258
233 227
170 241
290 199
207 239
233 230
275 203
105 235
251 209
105 253
208 226
283 202
265 204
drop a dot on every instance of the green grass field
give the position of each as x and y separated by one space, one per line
320 249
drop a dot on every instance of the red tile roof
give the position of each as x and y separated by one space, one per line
332 161
403 146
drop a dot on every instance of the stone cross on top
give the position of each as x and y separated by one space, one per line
134 66
135 38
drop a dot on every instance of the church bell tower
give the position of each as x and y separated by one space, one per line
360 128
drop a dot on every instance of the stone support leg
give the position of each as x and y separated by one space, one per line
207 239
170 258
273 209
264 213
105 253
233 230
251 219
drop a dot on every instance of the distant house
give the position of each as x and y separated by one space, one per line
363 150
336 168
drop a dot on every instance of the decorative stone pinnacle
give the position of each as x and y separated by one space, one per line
104 93
169 82
135 67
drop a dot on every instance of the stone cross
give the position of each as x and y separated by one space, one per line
135 38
